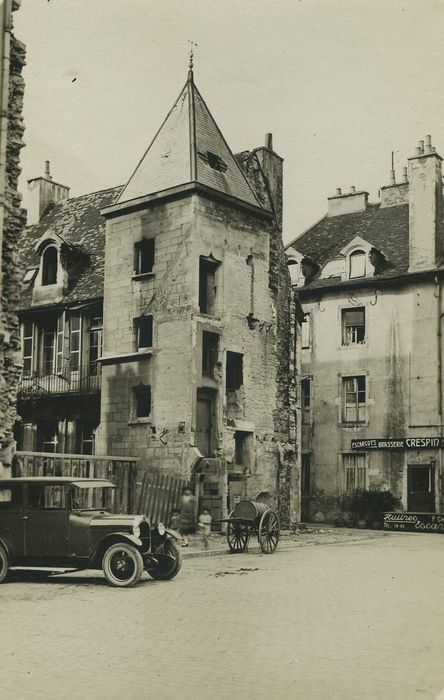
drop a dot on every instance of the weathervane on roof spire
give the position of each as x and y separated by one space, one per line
191 63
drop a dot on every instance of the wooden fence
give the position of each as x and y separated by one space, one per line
120 470
159 496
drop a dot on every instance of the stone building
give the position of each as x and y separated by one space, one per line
156 317
370 279
12 220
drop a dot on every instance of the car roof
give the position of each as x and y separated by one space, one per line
55 480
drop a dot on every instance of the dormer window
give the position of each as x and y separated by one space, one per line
358 264
49 265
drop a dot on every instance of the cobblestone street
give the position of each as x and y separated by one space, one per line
362 619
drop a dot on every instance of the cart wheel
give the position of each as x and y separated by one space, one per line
238 534
269 530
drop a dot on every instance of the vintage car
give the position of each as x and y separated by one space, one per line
68 523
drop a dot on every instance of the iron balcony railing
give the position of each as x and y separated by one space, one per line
86 378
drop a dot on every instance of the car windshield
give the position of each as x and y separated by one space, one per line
93 498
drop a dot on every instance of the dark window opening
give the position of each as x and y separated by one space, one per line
235 371
47 437
49 266
142 401
144 331
207 285
144 256
353 326
210 349
85 437
243 449
306 399
214 161
306 475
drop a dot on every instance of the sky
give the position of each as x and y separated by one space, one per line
340 84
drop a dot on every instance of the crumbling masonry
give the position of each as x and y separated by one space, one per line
12 222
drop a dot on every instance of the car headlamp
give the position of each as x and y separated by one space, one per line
161 529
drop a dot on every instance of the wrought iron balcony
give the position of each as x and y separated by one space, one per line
85 379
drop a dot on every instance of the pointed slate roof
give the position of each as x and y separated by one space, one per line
188 148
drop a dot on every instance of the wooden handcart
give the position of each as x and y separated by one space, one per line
251 517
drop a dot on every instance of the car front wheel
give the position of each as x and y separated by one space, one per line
122 565
4 563
170 562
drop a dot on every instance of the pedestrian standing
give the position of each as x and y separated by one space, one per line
205 520
188 513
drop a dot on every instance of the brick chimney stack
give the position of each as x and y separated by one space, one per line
425 210
43 191
272 167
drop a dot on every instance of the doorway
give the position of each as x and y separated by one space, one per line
421 488
205 421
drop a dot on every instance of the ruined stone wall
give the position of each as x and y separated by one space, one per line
185 230
264 170
14 221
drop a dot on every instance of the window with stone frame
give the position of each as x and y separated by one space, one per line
354 399
143 326
357 264
306 399
210 350
207 285
234 371
354 466
50 258
353 326
306 332
144 256
141 401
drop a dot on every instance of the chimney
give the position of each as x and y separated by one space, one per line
394 194
272 167
348 203
43 191
425 211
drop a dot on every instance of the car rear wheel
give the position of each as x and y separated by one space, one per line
170 562
4 563
122 565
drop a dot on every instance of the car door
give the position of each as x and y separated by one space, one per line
46 524
12 517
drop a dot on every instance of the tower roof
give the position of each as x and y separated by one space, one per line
188 148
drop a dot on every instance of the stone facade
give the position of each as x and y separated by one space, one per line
13 220
261 409
198 356
372 349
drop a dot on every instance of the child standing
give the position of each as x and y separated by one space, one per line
205 520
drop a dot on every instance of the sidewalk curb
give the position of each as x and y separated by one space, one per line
281 547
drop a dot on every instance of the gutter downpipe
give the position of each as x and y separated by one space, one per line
440 315
5 48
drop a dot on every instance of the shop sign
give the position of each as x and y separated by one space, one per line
414 522
409 443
